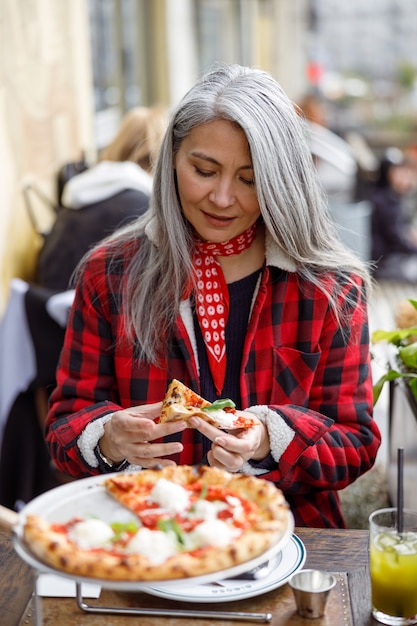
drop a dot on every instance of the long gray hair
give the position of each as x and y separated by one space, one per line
292 203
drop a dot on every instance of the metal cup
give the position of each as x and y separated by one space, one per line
311 589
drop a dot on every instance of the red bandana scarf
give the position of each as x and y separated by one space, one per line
212 298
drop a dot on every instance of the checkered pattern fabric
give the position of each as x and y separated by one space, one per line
296 359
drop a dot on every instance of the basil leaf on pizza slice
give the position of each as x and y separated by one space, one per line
181 403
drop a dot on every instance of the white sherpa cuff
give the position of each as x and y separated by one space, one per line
250 470
280 434
88 440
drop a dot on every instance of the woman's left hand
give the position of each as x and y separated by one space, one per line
231 449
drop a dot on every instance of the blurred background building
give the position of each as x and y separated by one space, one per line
363 58
70 70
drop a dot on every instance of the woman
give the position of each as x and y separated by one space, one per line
108 195
394 247
235 192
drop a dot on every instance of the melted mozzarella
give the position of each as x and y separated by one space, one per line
237 508
224 418
170 496
155 545
207 510
91 533
214 533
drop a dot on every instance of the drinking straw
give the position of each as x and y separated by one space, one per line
400 489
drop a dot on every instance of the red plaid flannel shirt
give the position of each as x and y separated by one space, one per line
295 361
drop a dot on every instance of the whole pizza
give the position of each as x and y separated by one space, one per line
188 521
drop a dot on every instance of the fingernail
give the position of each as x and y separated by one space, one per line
194 421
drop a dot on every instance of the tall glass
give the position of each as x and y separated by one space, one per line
393 565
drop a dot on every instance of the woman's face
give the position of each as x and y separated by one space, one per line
215 180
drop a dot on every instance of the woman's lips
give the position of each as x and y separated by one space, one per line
217 219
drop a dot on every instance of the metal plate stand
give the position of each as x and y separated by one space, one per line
225 615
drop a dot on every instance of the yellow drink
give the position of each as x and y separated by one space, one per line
393 563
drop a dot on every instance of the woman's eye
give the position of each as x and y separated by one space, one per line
248 181
203 173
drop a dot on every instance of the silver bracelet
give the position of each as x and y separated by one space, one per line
107 463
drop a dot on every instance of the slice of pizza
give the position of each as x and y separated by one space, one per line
181 403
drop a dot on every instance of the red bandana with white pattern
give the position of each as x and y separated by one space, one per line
212 298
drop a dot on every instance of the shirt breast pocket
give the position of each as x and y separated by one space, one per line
294 373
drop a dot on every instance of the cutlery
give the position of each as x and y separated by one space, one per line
260 571
225 615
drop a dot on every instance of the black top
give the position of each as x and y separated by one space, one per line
389 228
75 231
241 295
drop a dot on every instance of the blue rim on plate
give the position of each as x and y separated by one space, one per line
293 558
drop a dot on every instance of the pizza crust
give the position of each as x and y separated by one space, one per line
178 393
59 552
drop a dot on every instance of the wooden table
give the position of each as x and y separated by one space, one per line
344 551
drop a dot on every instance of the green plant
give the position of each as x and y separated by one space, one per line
405 341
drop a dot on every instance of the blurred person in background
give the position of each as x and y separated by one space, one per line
97 201
104 197
410 154
236 218
394 243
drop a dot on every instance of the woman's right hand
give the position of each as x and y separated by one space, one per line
130 434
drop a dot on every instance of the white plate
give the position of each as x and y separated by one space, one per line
87 497
293 557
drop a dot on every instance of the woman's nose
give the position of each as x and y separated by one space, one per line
222 194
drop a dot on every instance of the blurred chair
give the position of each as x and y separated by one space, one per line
17 355
31 337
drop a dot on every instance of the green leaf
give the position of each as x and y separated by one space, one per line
203 492
408 355
377 387
223 403
393 336
392 375
170 525
121 527
413 386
